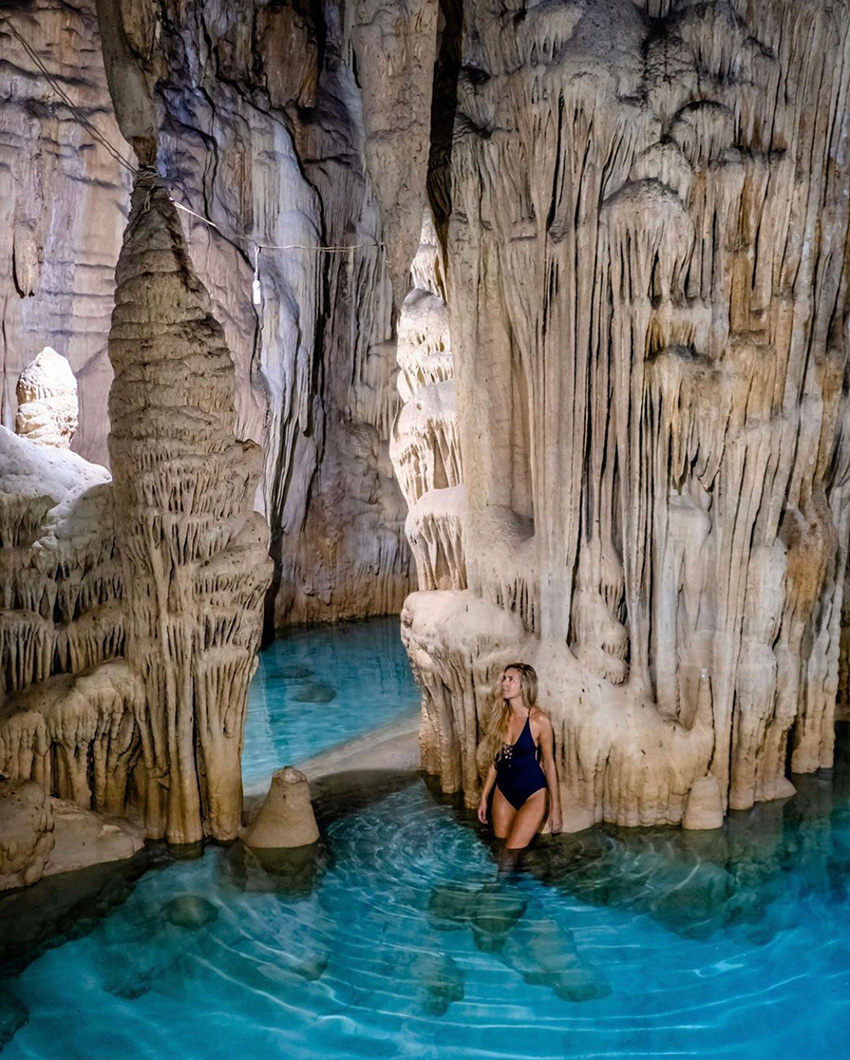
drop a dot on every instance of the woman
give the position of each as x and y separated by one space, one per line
520 736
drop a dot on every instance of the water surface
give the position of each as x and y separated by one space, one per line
394 937
321 686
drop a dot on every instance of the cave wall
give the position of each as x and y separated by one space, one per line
628 464
644 216
263 122
63 202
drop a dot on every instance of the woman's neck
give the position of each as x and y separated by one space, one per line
518 706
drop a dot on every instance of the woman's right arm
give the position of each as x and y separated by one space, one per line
485 794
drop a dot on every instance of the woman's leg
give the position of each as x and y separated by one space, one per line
503 815
527 819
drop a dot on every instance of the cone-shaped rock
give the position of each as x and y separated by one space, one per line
195 553
286 818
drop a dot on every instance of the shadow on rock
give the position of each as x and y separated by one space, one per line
64 907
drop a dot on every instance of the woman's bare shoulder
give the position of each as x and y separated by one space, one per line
539 717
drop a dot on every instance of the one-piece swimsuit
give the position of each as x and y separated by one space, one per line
518 772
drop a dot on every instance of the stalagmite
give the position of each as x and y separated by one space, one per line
424 445
286 817
195 555
60 581
48 410
643 223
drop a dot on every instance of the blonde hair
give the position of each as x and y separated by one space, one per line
500 717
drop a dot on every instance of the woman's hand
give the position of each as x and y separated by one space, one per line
482 810
555 821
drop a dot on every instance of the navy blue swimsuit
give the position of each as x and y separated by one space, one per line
518 772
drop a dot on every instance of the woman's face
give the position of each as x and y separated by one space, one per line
511 686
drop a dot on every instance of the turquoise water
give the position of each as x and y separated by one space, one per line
394 937
398 941
318 687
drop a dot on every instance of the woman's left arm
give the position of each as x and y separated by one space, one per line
550 771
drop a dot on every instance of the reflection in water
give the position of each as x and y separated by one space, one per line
294 872
395 936
506 922
699 882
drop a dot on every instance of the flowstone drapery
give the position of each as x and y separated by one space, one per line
644 219
195 554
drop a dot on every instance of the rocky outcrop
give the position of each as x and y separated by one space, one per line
41 836
195 554
645 230
26 833
261 125
48 410
63 200
60 576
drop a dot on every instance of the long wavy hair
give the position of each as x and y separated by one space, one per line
500 717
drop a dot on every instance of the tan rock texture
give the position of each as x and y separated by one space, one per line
286 126
26 833
48 408
63 201
84 838
195 554
60 575
644 220
286 817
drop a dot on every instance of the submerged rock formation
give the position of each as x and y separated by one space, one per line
644 219
195 554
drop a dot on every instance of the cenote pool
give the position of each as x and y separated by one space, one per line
318 687
395 939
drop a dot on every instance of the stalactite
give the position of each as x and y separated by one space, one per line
646 291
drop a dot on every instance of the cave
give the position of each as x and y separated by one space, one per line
355 356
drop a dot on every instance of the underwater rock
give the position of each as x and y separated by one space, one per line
63 907
314 692
292 871
441 982
545 954
190 911
13 1015
293 671
310 968
286 817
490 911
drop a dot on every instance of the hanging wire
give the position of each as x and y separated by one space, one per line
116 154
274 246
66 99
